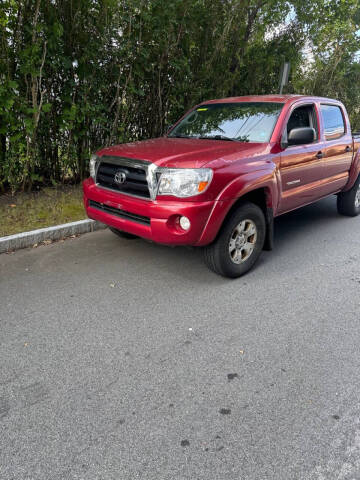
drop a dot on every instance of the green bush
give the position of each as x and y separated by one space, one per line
75 76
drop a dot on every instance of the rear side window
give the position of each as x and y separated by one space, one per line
334 126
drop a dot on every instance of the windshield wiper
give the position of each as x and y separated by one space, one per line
218 137
212 137
181 136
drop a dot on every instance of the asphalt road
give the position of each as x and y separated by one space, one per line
126 360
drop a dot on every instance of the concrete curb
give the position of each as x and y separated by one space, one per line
28 239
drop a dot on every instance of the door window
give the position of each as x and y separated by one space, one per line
334 126
303 116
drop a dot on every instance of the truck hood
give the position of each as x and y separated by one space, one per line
185 152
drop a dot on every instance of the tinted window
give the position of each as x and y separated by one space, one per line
243 121
303 116
333 121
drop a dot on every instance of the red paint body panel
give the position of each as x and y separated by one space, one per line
163 215
355 166
185 152
238 168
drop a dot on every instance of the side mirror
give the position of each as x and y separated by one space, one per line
301 136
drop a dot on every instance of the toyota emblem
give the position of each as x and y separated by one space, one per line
120 177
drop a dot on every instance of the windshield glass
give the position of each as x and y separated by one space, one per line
244 122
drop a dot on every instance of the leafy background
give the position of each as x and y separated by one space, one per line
79 74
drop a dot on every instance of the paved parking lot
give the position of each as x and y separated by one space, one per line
127 360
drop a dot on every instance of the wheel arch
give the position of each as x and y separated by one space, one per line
354 170
262 196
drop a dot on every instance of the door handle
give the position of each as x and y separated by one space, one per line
319 155
348 149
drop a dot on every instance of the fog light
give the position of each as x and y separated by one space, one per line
185 223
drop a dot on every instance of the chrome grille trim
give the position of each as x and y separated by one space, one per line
149 168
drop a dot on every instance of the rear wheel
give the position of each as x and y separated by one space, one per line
239 243
122 234
348 203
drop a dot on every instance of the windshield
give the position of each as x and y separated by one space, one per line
244 122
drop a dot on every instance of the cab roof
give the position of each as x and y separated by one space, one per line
268 98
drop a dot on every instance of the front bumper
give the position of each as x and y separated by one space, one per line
156 220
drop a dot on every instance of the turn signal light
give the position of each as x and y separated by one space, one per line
202 186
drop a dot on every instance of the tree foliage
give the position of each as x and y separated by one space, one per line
76 75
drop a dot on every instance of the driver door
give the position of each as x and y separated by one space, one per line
301 166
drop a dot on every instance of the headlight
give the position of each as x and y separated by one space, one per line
93 165
184 182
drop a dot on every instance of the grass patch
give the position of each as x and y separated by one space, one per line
50 206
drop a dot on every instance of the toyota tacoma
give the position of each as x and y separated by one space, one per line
224 171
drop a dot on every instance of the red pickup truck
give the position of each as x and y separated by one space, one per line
223 172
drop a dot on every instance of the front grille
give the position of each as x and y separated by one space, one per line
135 182
120 213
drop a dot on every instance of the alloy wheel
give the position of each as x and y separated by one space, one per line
243 240
357 197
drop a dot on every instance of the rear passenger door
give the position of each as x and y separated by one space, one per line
337 146
301 166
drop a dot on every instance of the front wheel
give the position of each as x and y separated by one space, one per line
239 243
348 203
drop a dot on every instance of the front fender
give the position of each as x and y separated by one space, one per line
240 186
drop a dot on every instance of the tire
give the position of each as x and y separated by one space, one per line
239 243
348 203
122 234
